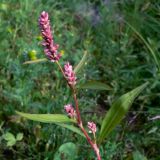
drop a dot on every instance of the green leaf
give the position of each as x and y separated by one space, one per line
47 118
95 85
138 156
11 143
117 112
19 136
72 128
10 138
81 63
67 150
58 119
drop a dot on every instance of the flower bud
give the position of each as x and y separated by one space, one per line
70 110
69 73
92 127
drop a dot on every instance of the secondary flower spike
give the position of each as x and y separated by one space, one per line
50 48
69 73
70 110
92 127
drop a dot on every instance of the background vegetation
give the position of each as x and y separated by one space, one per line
122 39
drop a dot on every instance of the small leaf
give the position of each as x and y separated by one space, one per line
19 136
67 151
95 85
47 118
72 128
138 156
8 136
35 61
81 63
117 112
11 143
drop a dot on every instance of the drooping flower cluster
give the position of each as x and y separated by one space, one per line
69 73
48 43
70 110
92 127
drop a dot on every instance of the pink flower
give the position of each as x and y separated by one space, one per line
50 48
92 127
69 73
70 110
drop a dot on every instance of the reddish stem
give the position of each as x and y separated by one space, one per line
93 145
79 121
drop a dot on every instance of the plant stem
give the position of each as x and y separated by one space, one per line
93 145
79 120
61 69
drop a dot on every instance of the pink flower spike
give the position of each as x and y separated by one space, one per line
50 48
92 127
69 73
70 110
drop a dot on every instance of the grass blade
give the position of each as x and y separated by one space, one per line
146 44
81 63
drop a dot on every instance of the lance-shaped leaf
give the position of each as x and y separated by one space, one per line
72 128
57 119
36 61
81 63
117 112
95 85
47 118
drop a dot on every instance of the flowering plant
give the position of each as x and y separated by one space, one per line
73 115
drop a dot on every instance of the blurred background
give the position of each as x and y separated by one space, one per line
122 39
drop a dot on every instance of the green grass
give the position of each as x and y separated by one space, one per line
122 42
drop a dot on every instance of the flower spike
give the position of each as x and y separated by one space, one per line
50 48
69 73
